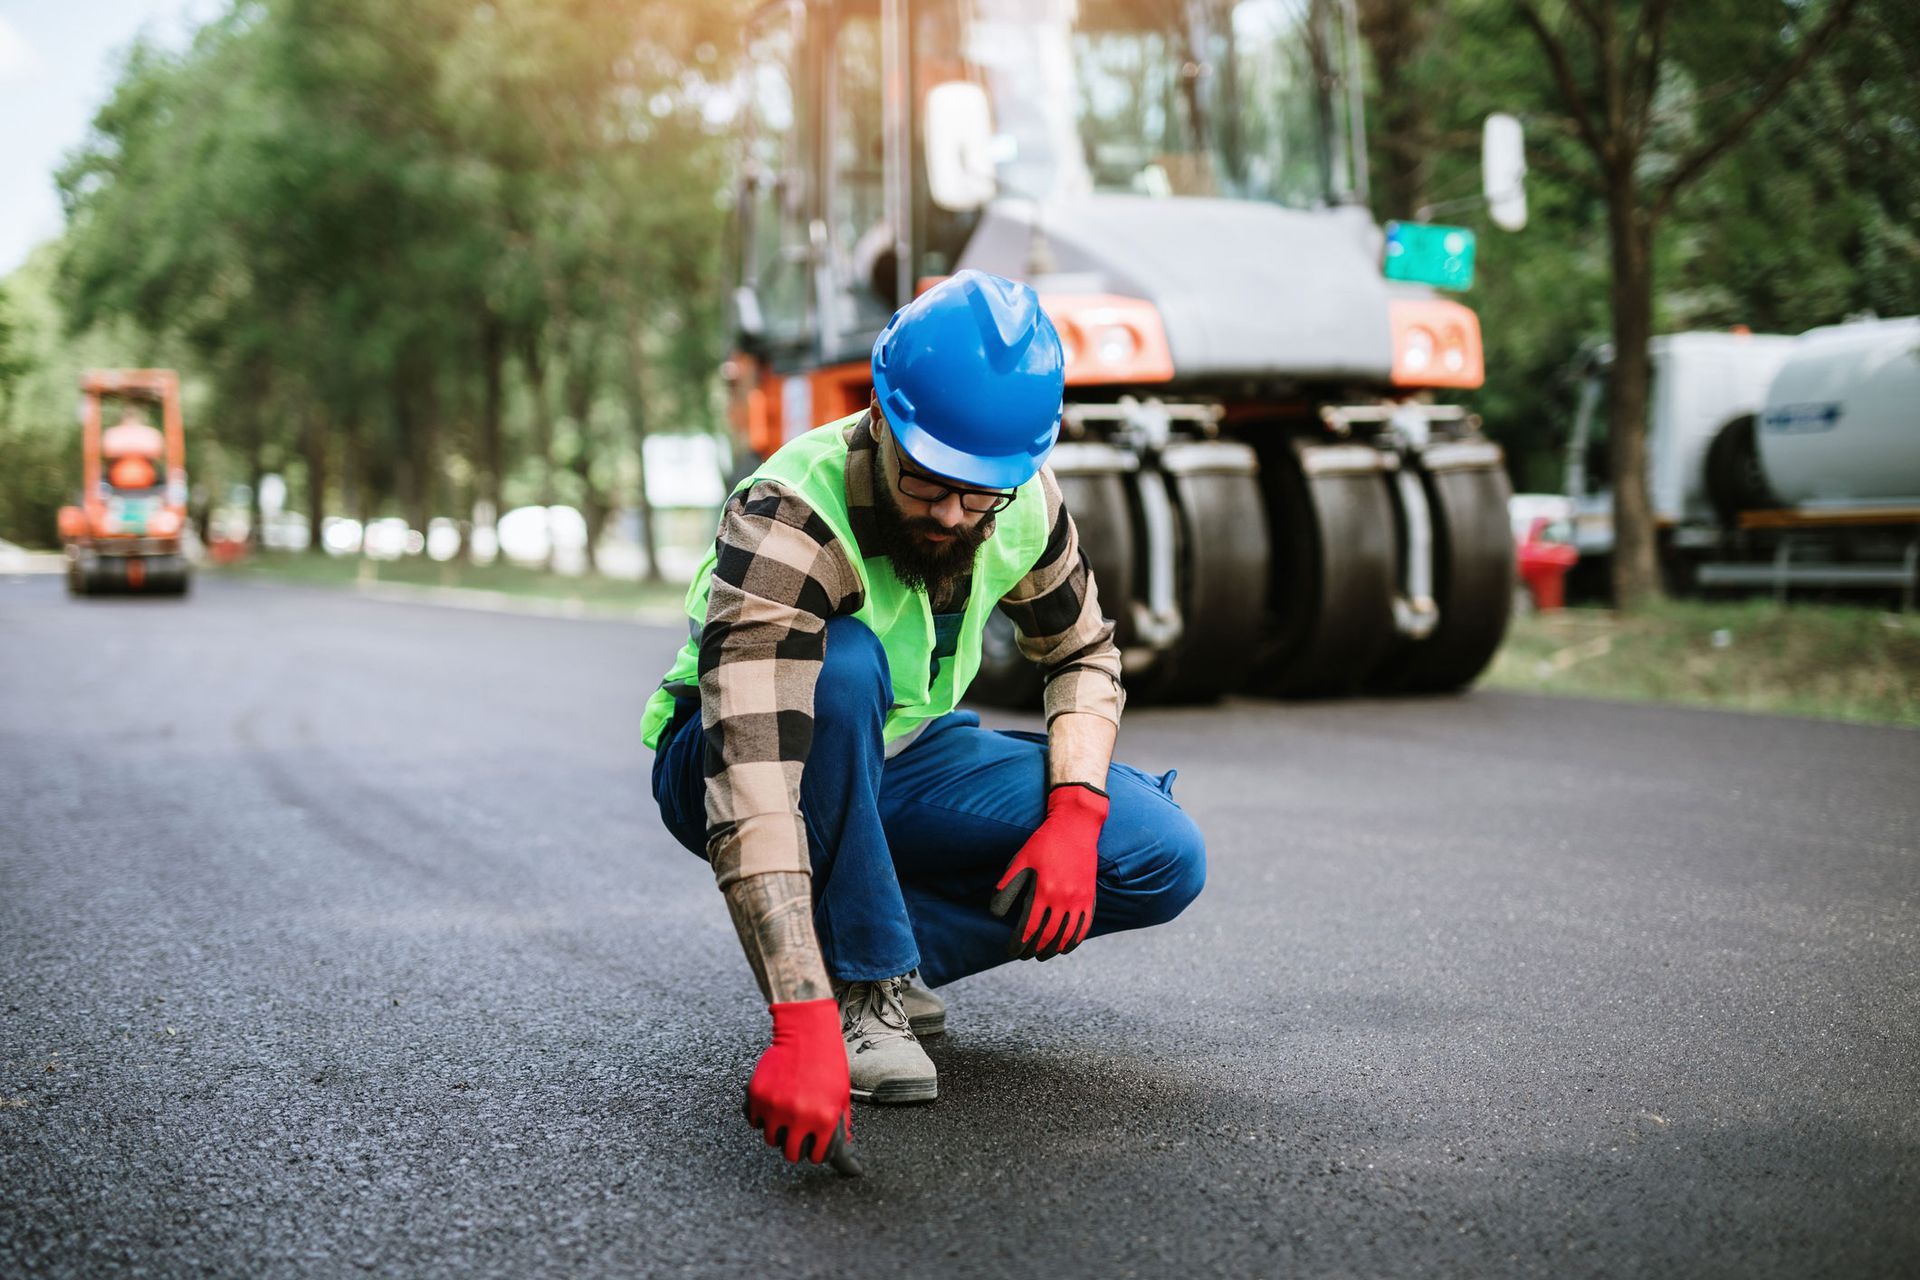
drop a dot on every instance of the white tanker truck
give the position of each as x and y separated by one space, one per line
1774 463
1266 487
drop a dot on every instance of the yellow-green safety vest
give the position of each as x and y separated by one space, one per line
814 466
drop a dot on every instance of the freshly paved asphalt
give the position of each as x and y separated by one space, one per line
337 937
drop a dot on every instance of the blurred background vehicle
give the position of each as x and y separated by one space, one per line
1266 488
1543 546
1774 463
546 325
126 532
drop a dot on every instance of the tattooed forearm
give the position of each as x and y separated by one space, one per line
773 914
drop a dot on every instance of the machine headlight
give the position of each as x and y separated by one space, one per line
1436 343
1416 353
1107 338
1115 344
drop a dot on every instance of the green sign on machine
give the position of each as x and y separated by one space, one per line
1427 253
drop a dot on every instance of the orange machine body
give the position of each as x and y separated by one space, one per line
129 526
766 414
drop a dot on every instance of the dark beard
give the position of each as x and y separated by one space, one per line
933 567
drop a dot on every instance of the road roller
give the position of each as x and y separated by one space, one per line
1271 485
126 534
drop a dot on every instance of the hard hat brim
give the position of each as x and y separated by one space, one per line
1008 471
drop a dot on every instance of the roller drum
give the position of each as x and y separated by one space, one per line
1473 573
1335 563
1223 563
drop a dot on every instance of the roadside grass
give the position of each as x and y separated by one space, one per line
1830 661
590 590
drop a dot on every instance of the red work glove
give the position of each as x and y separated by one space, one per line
800 1095
1051 878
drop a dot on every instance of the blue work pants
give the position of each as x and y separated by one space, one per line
906 852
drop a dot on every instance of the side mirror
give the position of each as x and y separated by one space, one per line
1503 171
748 323
959 141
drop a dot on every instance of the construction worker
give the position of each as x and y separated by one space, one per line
873 842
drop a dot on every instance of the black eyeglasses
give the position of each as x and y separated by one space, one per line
924 488
927 489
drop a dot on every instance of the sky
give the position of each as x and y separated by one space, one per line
58 63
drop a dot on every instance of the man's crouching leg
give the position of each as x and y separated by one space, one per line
1153 860
860 915
962 801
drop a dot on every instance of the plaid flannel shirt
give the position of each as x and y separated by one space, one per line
781 573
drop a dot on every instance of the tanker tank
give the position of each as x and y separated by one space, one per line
1841 426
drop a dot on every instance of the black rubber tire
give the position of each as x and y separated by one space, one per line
1735 480
1225 564
1335 561
1102 515
1006 679
1473 579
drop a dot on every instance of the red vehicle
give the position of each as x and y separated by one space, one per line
125 534
1544 546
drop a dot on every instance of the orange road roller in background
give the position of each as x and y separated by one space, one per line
126 533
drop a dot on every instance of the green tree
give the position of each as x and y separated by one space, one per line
400 240
1646 140
1813 217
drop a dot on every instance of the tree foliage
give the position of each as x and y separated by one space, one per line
422 256
425 254
1633 106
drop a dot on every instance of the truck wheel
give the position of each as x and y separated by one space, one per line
1093 484
1735 480
1005 679
1679 567
1224 567
1335 562
1473 582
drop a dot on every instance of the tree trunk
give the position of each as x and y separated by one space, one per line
259 403
256 476
542 433
581 376
357 482
1396 34
316 442
493 356
637 423
1636 578
413 419
407 476
426 456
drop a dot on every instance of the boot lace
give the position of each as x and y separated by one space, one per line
875 1003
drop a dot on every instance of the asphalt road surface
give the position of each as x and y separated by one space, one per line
338 936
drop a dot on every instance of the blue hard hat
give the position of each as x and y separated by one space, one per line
969 376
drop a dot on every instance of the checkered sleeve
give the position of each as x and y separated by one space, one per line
1056 610
781 573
